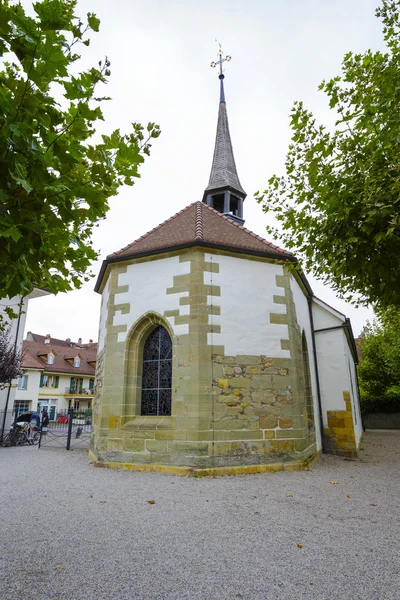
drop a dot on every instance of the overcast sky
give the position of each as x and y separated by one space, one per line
160 52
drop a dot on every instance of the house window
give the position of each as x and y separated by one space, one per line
91 384
77 361
21 406
53 381
157 373
44 381
50 359
23 382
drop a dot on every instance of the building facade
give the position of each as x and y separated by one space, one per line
58 374
19 305
213 350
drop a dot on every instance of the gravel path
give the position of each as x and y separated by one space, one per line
71 531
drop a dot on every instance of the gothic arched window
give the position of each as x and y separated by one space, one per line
157 373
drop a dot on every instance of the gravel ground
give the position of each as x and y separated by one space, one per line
72 531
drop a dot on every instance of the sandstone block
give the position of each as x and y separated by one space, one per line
253 370
262 382
248 359
269 422
156 445
240 382
133 445
115 445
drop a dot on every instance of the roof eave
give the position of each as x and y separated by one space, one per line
191 244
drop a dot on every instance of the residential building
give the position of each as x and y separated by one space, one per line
59 374
19 305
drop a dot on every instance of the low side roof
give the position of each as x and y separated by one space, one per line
197 224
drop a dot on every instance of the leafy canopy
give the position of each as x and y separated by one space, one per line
338 204
55 182
379 368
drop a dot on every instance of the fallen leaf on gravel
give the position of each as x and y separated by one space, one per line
334 482
372 504
151 501
299 545
103 501
289 495
349 496
60 568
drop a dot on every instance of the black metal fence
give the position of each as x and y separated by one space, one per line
69 431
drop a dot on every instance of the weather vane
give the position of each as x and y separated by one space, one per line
220 60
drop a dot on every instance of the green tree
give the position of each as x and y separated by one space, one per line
338 205
379 367
55 181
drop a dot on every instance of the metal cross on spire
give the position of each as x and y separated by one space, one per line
220 60
221 75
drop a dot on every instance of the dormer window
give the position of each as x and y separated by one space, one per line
77 362
50 358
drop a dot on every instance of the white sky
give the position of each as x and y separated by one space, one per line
160 51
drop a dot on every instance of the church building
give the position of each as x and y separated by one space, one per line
214 354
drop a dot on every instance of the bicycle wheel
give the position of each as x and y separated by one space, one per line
7 440
35 438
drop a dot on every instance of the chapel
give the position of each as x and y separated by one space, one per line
214 354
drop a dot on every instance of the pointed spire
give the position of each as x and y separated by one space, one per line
223 174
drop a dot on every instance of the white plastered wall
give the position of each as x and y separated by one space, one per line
31 393
148 283
336 366
303 319
246 301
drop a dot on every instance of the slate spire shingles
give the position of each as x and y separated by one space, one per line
223 171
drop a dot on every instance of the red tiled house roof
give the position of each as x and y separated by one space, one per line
34 356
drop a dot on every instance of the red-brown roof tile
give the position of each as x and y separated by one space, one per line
32 351
200 223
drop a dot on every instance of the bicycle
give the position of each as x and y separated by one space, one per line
24 434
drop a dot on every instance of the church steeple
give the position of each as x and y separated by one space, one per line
224 191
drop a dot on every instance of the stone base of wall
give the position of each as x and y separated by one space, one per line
201 449
303 465
339 436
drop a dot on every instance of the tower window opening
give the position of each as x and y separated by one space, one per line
234 206
218 202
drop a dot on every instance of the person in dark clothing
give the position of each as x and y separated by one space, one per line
45 421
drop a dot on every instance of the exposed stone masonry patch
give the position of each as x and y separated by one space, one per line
255 401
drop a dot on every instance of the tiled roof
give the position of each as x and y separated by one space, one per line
32 351
199 223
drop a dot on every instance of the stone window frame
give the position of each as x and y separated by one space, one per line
135 341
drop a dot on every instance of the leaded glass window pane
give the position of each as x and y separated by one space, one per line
157 373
